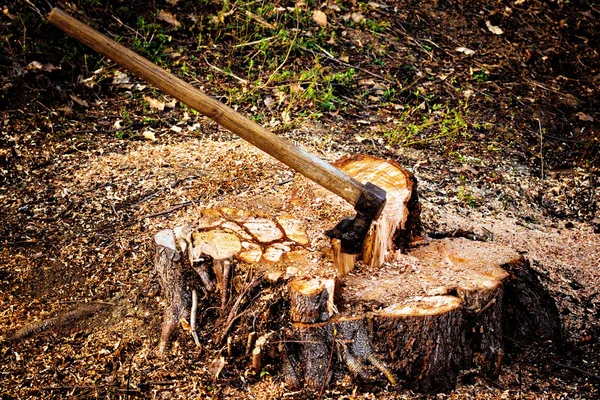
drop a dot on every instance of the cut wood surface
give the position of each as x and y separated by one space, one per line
392 231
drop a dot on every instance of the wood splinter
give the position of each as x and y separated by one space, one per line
260 349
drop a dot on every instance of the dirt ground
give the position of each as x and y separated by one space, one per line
493 105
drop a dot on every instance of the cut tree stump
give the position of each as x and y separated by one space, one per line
409 316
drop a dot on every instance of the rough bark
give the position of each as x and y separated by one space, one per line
167 264
426 316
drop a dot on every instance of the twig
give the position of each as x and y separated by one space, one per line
255 42
287 55
541 147
244 81
233 316
175 208
193 317
60 321
582 371
328 366
260 20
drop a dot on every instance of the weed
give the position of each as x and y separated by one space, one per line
437 123
465 195
480 76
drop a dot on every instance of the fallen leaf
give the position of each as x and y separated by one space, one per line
357 17
171 104
89 82
465 50
185 325
493 28
117 124
268 101
7 13
585 117
79 101
154 103
168 18
120 78
173 2
149 135
176 128
217 366
320 18
37 66
519 2
334 7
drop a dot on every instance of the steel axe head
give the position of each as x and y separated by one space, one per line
353 231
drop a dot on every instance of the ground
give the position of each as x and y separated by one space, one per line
492 105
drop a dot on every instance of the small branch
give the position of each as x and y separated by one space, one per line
541 147
62 320
260 20
193 317
255 42
244 81
233 314
328 367
582 371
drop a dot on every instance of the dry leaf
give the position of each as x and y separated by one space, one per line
157 104
79 101
320 18
171 104
117 124
149 135
185 325
493 28
120 78
168 18
217 366
585 117
7 13
176 129
173 2
37 66
268 101
465 50
357 17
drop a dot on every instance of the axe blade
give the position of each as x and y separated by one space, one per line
353 231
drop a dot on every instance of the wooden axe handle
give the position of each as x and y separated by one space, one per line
307 164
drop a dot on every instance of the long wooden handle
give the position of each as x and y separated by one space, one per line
307 164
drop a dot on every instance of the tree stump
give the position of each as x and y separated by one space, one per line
413 315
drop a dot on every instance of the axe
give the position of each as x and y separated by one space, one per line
368 199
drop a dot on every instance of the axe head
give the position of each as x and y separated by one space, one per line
353 231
